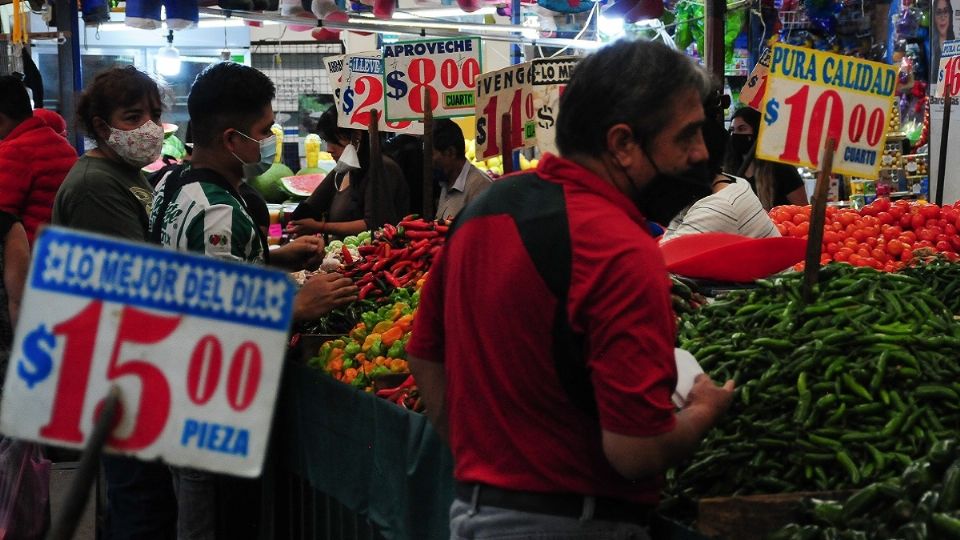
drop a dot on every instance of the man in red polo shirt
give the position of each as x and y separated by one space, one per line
543 345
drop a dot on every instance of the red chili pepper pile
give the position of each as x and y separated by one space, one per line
407 395
398 256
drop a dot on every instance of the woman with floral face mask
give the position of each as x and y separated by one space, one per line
106 192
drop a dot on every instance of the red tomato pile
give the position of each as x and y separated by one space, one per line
882 235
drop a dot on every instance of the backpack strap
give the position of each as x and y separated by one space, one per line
172 185
539 210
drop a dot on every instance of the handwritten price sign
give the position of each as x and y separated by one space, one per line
335 66
550 76
948 76
194 344
812 95
361 91
752 93
505 91
445 69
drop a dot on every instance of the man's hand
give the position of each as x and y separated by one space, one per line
305 252
321 294
713 400
301 227
639 457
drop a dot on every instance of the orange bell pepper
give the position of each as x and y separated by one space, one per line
391 335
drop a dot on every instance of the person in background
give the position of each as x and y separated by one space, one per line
231 116
564 430
34 159
460 181
105 192
294 256
407 151
732 206
775 184
53 120
943 20
347 202
14 263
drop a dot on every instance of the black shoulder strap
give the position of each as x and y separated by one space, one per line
538 208
172 185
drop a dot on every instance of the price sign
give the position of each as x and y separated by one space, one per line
361 91
550 77
948 76
751 94
812 95
335 65
445 69
195 345
505 91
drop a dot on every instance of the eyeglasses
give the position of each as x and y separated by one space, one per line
942 12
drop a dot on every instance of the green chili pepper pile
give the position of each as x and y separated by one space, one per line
831 395
941 276
684 296
924 502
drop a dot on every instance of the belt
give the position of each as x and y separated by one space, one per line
555 504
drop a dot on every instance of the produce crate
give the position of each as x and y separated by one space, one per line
753 517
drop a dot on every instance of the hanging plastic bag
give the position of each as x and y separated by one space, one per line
24 490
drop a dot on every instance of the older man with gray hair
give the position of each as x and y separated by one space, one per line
551 373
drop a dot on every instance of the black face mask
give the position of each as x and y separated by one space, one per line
439 177
741 143
667 194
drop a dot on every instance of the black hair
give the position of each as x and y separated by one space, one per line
750 116
327 127
631 82
715 134
14 100
227 95
447 134
113 89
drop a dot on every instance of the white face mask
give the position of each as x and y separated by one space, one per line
348 160
138 147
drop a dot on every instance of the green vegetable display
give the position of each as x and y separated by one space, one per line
831 395
924 502
941 276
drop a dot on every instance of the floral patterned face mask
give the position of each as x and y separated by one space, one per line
138 147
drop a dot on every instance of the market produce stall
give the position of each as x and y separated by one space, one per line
348 420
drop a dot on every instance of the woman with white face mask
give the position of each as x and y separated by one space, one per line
106 192
347 202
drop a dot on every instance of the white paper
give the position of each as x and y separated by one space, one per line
687 371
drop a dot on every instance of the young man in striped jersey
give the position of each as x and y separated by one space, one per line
198 207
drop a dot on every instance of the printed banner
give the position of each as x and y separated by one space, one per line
812 95
361 91
752 93
500 92
550 77
194 344
446 69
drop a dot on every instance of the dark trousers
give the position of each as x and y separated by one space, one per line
140 500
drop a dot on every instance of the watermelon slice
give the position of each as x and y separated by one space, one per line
302 185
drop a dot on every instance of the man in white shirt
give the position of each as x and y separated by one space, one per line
732 207
460 181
